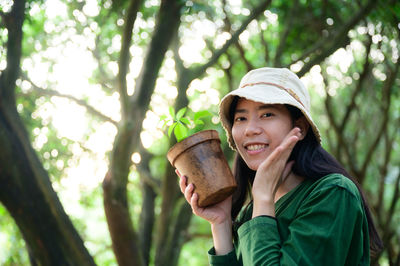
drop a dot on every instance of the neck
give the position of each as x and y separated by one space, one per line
287 185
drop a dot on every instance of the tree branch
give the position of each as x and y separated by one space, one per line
91 110
104 77
383 172
328 45
265 44
358 88
394 201
3 15
282 41
179 66
340 138
235 36
124 58
179 231
168 23
13 22
150 188
228 26
144 171
387 86
228 72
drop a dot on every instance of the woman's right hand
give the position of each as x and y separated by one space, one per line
215 214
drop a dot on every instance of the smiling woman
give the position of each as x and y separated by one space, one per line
298 190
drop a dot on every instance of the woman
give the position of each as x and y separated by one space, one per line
301 206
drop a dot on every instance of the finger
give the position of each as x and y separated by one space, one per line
281 153
290 141
194 203
189 192
292 137
182 183
178 173
289 145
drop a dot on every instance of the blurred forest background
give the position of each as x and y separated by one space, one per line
83 175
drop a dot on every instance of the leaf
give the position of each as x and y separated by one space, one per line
181 132
172 112
163 118
201 114
171 128
185 120
180 113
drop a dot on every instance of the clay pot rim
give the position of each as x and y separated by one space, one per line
197 138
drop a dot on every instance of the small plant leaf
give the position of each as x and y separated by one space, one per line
180 132
185 120
201 114
172 112
171 128
180 113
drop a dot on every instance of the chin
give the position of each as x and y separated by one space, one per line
253 166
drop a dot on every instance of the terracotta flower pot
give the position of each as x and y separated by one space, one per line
200 158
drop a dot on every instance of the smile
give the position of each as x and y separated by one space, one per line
256 147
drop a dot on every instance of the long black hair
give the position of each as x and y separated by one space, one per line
311 161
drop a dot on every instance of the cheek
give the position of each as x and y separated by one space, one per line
235 134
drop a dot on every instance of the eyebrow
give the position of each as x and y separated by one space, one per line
261 107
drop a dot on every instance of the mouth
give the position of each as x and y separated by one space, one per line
255 147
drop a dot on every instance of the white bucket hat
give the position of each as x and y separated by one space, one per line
269 86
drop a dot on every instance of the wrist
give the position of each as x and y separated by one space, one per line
222 237
263 207
224 227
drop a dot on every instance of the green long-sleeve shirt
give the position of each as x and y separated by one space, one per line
318 223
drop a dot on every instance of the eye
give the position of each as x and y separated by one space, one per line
239 119
267 114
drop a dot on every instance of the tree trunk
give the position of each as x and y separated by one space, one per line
26 192
25 188
124 238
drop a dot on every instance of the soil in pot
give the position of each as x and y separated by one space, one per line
200 158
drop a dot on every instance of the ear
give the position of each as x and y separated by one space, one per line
304 126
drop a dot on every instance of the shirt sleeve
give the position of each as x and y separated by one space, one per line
223 260
321 233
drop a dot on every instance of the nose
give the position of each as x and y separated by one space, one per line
252 127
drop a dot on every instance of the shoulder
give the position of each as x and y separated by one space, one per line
333 189
336 181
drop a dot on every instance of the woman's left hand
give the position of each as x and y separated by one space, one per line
271 173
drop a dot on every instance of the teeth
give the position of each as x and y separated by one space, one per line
255 147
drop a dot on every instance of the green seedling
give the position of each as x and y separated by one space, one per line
184 125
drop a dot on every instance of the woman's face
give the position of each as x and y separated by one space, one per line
258 129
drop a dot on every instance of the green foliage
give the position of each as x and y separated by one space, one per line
35 37
184 126
55 152
13 251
